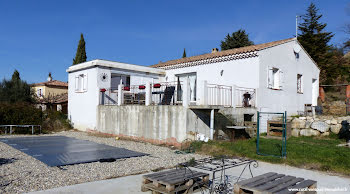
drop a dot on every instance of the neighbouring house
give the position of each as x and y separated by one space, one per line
52 94
176 100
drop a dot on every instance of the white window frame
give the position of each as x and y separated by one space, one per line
275 78
81 83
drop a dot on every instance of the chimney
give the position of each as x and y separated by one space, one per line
214 50
50 77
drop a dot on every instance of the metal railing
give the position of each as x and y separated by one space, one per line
245 97
109 96
220 95
167 93
12 128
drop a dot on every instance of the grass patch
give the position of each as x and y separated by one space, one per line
305 152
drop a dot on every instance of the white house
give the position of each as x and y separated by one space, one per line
275 77
86 79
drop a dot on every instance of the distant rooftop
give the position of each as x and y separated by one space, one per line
54 83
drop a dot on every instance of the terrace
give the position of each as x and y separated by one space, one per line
179 93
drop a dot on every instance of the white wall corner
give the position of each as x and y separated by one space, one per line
120 94
203 93
186 93
148 93
257 97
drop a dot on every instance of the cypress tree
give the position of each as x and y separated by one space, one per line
314 39
80 56
238 39
184 54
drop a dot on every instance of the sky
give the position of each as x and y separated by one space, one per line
41 36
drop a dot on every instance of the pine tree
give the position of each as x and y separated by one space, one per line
184 54
314 39
80 56
238 39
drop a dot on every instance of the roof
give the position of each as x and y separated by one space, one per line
116 65
57 99
54 83
236 51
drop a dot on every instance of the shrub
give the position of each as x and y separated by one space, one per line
55 121
19 113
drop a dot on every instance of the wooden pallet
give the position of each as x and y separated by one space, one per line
273 183
275 129
174 181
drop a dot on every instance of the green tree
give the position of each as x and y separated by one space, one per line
238 39
15 90
80 56
184 54
315 40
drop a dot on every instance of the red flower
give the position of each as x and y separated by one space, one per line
156 85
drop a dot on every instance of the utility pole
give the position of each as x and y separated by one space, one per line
296 26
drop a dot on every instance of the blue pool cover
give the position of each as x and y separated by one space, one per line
61 150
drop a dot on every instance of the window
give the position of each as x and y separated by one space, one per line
81 83
275 78
299 83
39 92
115 80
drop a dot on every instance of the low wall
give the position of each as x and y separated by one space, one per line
156 124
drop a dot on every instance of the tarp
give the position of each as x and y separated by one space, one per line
62 150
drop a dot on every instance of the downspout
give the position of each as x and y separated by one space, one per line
212 124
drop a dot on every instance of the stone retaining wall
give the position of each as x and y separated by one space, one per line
318 126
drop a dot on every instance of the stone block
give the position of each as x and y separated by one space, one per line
309 132
320 126
336 128
295 132
298 123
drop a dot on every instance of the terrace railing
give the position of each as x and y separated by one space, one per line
245 97
167 93
220 95
174 93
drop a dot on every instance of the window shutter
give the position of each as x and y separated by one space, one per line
281 74
85 83
76 83
269 77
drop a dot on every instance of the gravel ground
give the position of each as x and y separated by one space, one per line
23 173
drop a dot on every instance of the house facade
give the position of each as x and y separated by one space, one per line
52 94
271 77
281 74
87 79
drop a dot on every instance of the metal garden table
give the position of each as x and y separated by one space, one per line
214 165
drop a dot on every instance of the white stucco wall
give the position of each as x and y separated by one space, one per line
82 105
286 99
242 73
